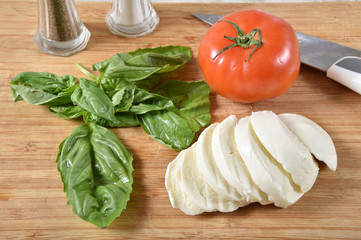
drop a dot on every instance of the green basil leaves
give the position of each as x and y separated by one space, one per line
42 88
142 63
96 170
93 99
176 126
129 90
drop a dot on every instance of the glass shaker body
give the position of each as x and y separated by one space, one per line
60 30
132 18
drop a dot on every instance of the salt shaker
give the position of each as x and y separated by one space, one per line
60 30
132 18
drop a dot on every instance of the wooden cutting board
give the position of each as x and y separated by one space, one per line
32 202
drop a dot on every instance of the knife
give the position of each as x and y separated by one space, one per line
341 63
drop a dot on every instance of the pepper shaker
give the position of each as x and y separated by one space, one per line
60 30
132 18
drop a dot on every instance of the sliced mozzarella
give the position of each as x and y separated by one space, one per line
265 171
199 190
284 146
315 138
173 182
231 165
208 167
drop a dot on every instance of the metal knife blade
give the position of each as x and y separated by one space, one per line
341 63
320 53
211 19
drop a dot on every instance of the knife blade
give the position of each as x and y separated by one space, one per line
341 63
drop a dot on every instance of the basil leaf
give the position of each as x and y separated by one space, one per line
108 86
175 126
148 83
145 102
167 128
116 67
123 99
114 84
167 58
191 98
67 112
42 88
123 119
116 58
139 101
111 85
142 63
93 99
96 170
101 66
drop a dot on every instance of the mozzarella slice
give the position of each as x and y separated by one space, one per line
315 138
264 170
231 165
208 167
284 146
198 190
173 182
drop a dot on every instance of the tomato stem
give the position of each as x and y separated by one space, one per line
243 40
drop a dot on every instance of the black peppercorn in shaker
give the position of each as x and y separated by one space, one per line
60 30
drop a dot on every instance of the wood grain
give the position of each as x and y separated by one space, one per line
32 202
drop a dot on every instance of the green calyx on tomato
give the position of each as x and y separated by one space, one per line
243 40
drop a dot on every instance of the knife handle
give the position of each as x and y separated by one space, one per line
347 71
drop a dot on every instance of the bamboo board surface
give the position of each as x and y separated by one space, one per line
32 202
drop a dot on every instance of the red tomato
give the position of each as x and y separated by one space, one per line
271 69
